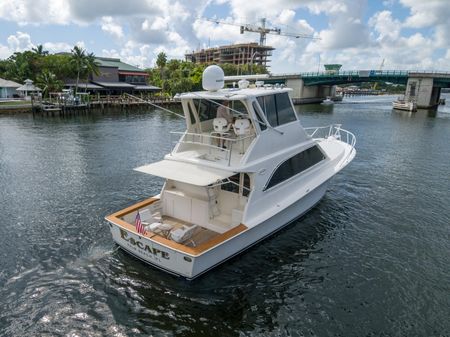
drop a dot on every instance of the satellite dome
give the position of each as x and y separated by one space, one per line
213 78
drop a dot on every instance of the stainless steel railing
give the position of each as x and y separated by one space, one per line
209 141
333 130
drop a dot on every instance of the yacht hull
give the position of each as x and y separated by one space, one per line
191 266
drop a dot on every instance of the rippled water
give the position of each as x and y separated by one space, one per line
372 259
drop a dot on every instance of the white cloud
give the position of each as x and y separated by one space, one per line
112 27
35 11
385 25
57 47
140 29
19 42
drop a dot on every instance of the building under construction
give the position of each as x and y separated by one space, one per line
244 53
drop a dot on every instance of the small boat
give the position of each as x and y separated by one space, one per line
230 184
402 104
328 101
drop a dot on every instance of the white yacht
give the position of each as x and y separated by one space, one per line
230 183
402 104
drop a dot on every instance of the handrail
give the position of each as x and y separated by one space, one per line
333 130
208 138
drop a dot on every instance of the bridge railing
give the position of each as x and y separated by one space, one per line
363 73
359 73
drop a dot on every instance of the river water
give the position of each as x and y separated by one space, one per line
371 259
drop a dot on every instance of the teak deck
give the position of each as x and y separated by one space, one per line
194 251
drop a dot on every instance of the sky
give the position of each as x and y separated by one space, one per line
359 34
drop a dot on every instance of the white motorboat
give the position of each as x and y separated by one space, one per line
402 104
228 186
328 101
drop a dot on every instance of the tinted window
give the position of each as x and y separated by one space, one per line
206 110
261 123
284 109
191 113
295 165
238 106
277 108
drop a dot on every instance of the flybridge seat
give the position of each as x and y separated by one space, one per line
221 128
241 128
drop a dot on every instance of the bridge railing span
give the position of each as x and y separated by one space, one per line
361 73
364 73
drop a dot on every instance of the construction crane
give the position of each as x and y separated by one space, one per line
262 30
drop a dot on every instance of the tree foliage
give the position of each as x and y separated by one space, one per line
173 76
48 82
178 76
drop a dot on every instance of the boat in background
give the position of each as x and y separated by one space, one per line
328 101
230 182
338 97
402 104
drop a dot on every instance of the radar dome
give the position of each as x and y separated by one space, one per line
213 78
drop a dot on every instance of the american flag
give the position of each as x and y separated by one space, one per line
138 224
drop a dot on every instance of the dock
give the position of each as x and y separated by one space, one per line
57 106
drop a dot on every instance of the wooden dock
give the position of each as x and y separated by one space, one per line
52 107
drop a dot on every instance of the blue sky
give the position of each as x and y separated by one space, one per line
408 34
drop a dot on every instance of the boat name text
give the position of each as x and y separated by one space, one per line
143 246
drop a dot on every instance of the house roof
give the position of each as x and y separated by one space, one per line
83 85
8 84
116 63
114 84
147 87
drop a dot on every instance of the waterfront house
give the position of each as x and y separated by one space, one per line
116 77
8 89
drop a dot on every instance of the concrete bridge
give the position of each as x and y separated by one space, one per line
421 86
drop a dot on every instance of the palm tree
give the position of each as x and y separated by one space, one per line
78 59
161 60
39 50
48 82
90 66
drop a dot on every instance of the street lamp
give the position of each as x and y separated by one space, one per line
251 61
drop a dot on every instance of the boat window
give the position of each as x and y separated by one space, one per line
261 123
285 112
238 106
269 107
296 164
191 113
206 110
277 108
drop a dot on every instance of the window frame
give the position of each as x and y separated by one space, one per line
268 188
262 99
